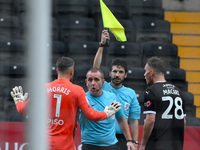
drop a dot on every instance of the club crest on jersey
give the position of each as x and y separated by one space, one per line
113 116
126 106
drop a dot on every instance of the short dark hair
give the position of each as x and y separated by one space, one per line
96 70
157 64
64 64
119 62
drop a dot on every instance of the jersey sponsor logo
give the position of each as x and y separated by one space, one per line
55 121
168 85
126 106
147 104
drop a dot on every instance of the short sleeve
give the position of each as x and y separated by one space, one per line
149 102
135 108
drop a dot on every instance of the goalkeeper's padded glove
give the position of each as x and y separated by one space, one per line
17 94
112 109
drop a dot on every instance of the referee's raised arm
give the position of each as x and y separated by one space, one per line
102 44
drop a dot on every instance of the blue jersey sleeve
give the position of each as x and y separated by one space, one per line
135 108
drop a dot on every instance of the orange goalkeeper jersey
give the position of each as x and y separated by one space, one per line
65 98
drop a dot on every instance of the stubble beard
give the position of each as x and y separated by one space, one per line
116 83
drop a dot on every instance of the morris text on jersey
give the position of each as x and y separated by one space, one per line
58 89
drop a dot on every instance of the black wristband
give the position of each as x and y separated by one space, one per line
133 141
101 45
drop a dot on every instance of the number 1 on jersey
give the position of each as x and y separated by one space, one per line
58 104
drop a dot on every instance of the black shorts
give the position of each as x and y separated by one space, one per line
121 142
94 147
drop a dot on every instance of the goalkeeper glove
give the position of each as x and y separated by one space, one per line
17 94
112 109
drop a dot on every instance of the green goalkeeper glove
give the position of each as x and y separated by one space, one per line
17 94
112 109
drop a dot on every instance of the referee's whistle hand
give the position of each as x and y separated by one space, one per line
130 146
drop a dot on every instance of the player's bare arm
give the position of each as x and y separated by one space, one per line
135 130
98 56
147 129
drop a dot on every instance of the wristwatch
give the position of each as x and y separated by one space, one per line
134 141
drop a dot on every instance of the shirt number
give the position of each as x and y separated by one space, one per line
58 96
178 107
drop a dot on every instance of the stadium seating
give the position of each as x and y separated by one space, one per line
12 113
118 8
7 7
129 51
77 29
167 51
54 28
171 61
70 8
11 75
140 96
12 50
145 9
175 74
13 70
160 49
20 7
58 50
177 77
190 108
192 121
83 53
80 75
135 79
10 26
145 3
140 13
3 116
152 30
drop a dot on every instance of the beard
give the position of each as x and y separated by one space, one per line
150 81
116 83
